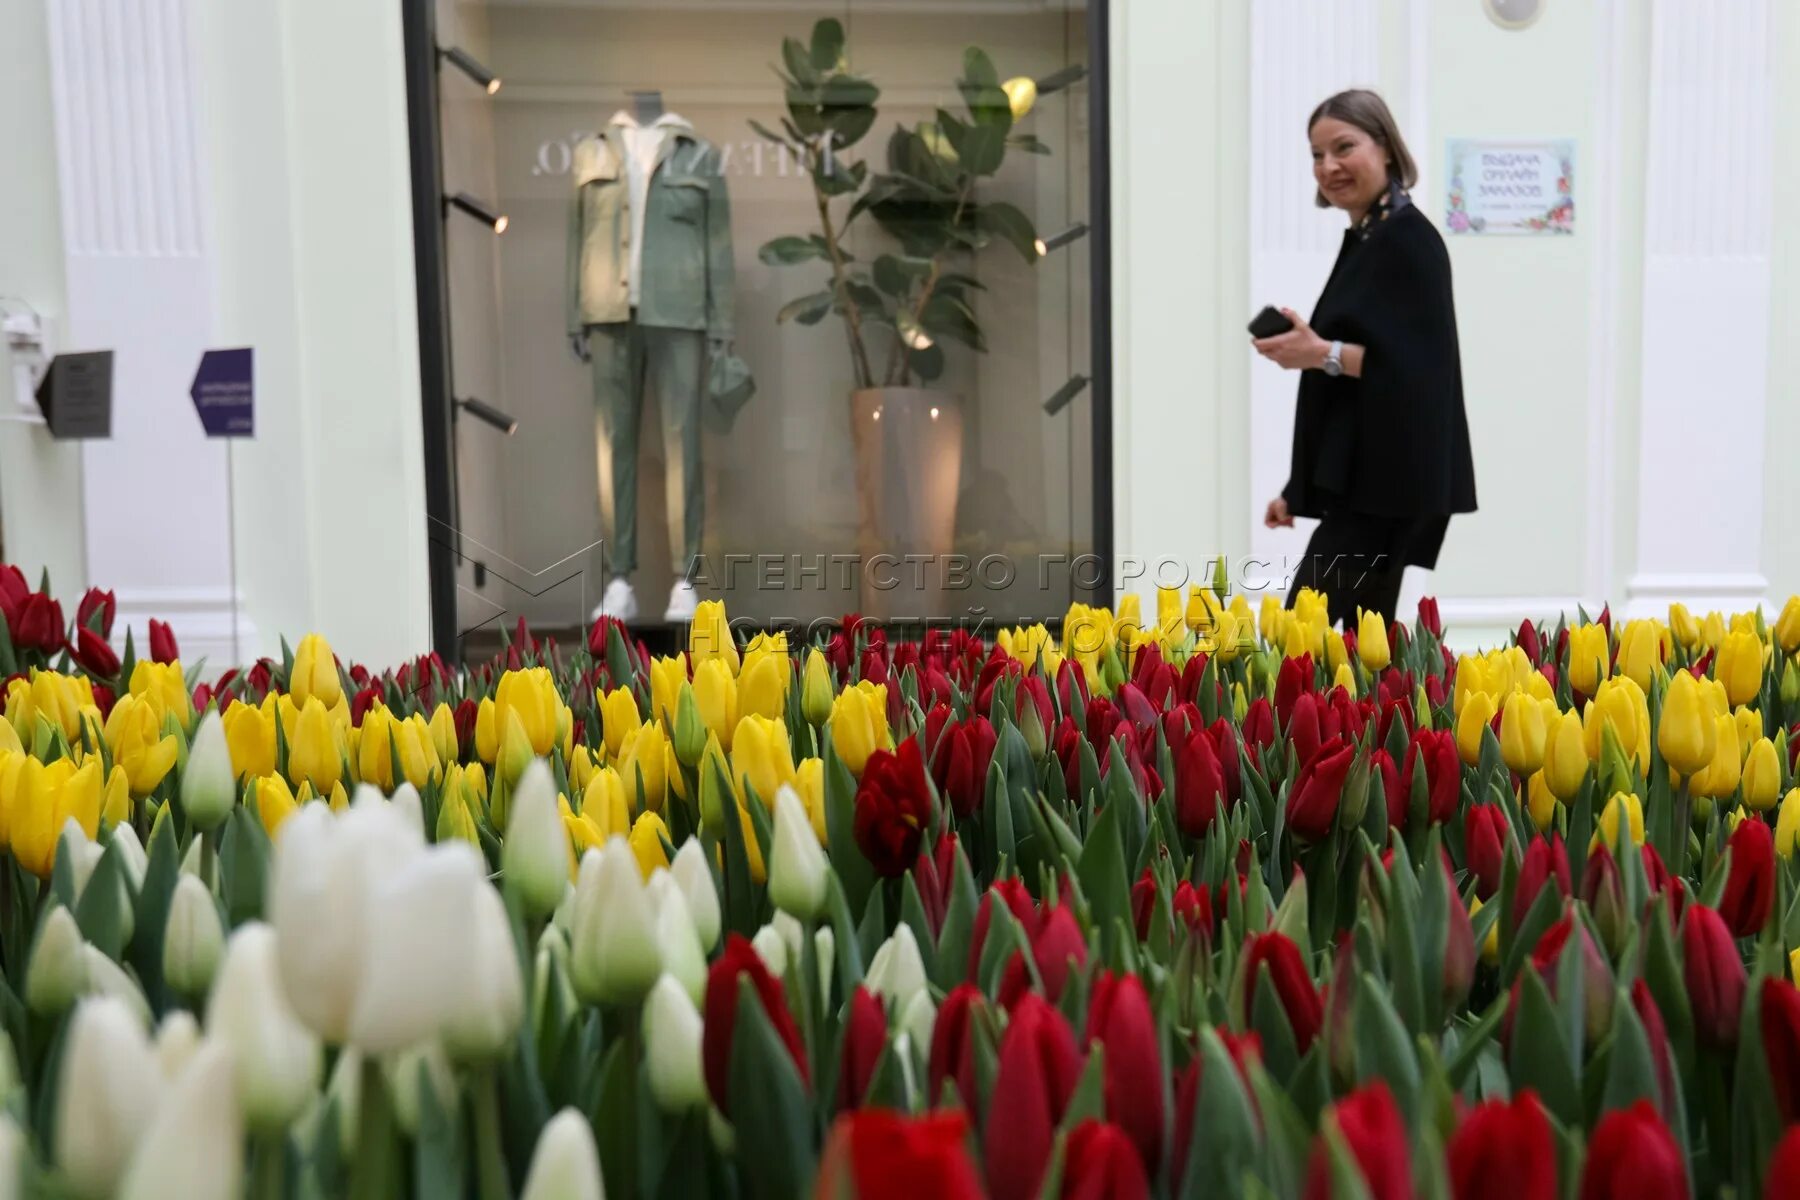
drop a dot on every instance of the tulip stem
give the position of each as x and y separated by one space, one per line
490 1158
375 1173
208 857
269 1154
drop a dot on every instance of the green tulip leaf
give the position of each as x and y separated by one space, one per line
769 1107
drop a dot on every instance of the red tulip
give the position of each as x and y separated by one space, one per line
1394 710
1055 942
1293 984
1259 726
865 1036
1783 1179
1750 885
1486 832
740 959
361 703
1632 1157
1013 894
1435 749
1504 1152
1603 891
1381 765
1313 804
1187 688
13 590
103 603
1648 1015
1781 1044
1072 690
104 701
1032 702
162 643
1527 640
1242 1048
959 753
935 874
1376 1137
1715 977
952 1054
1153 676
885 1155
1662 883
1038 1069
1545 862
1596 977
466 714
94 654
1143 903
1102 721
1294 680
893 808
1119 1017
1428 616
1193 908
38 625
1459 945
1304 731
1100 1164
1199 784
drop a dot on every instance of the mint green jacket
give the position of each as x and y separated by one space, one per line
686 275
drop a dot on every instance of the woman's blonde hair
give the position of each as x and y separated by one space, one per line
1368 112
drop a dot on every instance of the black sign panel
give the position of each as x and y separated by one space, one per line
76 395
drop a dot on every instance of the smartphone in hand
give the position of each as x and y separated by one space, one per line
1269 323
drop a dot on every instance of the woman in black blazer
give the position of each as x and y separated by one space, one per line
1381 441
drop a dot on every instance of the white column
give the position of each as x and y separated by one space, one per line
1706 303
137 268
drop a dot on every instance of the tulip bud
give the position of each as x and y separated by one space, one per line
1626 808
1603 891
1715 977
177 1039
672 1036
131 852
1565 757
1790 685
1473 716
409 808
816 692
193 939
208 787
1762 776
413 1070
486 1014
1685 733
683 956
58 969
797 867
897 972
566 1163
193 1149
107 1094
772 948
691 730
615 956
535 856
275 1059
1522 734
1787 824
694 878
107 978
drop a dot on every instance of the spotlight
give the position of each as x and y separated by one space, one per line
489 415
1059 399
1057 80
467 63
1057 241
478 210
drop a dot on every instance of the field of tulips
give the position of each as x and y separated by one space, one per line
1220 903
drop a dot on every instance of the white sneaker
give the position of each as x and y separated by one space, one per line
619 600
684 601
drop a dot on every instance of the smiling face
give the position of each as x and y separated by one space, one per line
1350 167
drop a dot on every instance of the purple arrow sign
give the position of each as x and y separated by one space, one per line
224 393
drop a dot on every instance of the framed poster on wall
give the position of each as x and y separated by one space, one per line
1510 187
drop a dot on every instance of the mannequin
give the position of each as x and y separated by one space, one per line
650 291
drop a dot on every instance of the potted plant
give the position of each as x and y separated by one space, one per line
900 309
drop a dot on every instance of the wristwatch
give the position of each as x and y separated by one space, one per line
1334 360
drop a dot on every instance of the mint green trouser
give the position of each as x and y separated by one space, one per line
627 358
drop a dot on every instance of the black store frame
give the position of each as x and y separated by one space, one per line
435 382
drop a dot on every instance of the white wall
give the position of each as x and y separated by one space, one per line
1621 383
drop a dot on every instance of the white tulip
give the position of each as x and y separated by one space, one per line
918 1017
487 1013
897 972
194 1150
825 945
367 795
695 880
107 978
208 785
550 969
107 1094
408 806
57 972
682 956
423 1065
276 1060
192 861
193 939
566 1163
773 947
84 856
419 954
177 1039
131 854
534 859
797 868
672 1030
614 955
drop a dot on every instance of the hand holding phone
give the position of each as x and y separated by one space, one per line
1269 323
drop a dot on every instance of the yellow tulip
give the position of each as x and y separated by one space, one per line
456 820
1471 723
1787 625
1336 655
1626 807
1640 651
643 764
443 734
1472 675
619 720
1565 757
1345 679
1740 667
1025 644
1720 778
1762 776
1683 625
761 757
1311 606
487 731
250 734
1540 801
647 836
816 693
1299 639
1490 945
605 800
139 745
43 799
315 672
710 639
809 782
1712 630
1749 724
667 677
1271 619
1685 733
316 752
63 701
859 724
759 873
1522 734
1787 824
1734 818
1588 658
1372 641
382 735
516 752
585 830
274 802
715 694
1794 965
1620 703
582 766
531 696
1231 636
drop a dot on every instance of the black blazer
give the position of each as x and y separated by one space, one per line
1394 443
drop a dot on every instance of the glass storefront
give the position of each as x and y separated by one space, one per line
879 212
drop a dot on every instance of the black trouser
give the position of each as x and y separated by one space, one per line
1357 560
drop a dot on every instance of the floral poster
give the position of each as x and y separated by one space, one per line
1511 187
